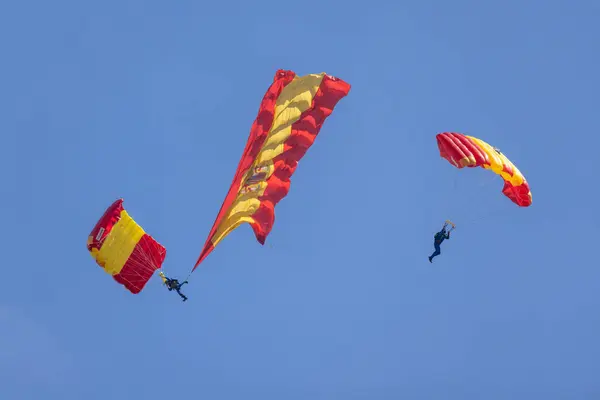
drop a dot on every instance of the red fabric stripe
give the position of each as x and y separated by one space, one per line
147 256
110 217
449 150
473 149
521 195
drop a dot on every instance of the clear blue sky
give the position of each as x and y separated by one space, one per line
152 101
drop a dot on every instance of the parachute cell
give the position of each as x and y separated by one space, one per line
467 151
289 118
123 249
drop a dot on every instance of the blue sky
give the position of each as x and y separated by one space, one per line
152 101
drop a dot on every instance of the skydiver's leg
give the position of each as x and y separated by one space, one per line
181 295
437 251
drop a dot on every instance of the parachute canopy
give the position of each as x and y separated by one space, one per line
123 249
289 118
467 151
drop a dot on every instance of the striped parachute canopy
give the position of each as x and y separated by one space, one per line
467 151
123 249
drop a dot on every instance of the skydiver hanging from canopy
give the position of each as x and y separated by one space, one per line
439 238
173 284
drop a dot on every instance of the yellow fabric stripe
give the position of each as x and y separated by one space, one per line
295 98
497 162
119 244
230 224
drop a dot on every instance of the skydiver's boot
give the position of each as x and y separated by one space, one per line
430 258
182 295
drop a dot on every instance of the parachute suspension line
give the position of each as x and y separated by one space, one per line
481 182
486 215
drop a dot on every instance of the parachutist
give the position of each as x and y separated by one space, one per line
173 284
438 239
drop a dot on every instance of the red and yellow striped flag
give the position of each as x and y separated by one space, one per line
289 119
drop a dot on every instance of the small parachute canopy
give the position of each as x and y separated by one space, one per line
123 249
289 119
467 151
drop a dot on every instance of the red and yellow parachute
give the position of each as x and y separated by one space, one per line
290 117
467 151
123 249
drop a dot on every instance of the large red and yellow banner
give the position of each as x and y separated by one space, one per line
290 117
